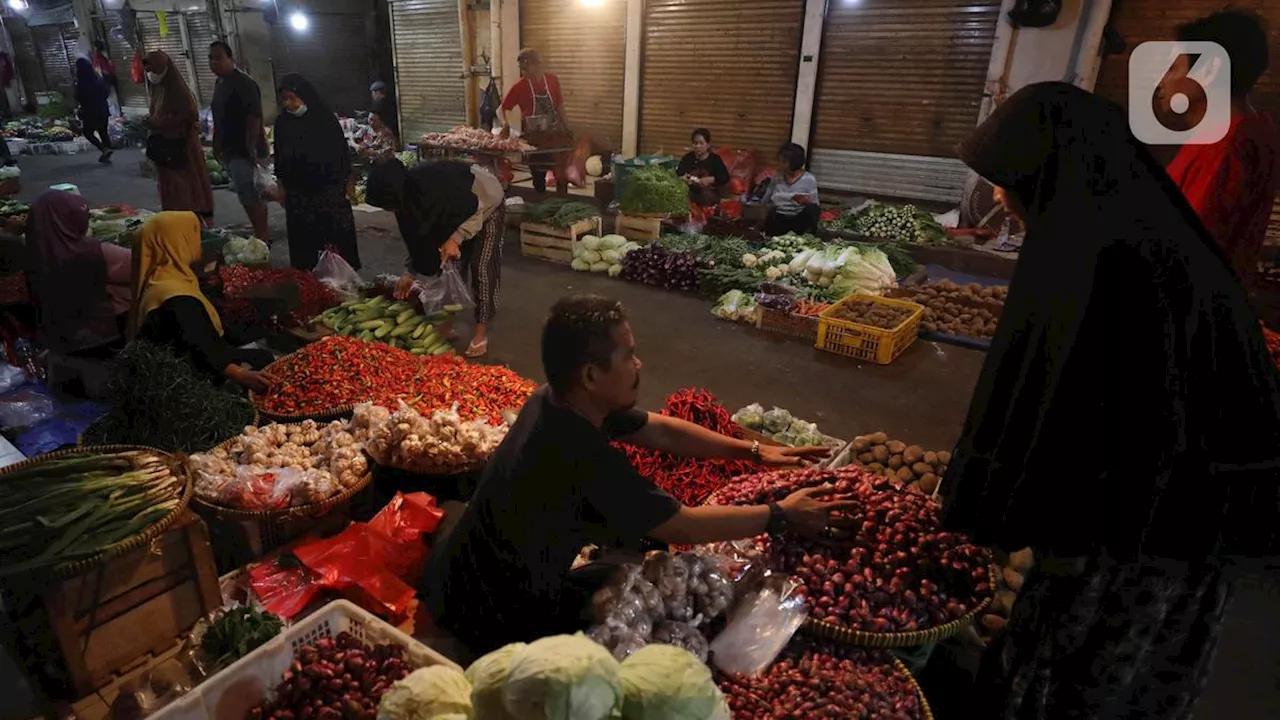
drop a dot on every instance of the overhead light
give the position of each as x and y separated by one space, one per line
592 3
18 5
298 21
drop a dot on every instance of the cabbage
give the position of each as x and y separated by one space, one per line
611 256
777 420
801 261
876 258
580 265
591 256
487 676
664 682
612 242
591 242
600 267
751 416
615 270
562 677
427 694
630 246
578 249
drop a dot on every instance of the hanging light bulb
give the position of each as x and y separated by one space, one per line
18 5
592 3
298 21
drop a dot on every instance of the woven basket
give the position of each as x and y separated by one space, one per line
324 414
438 470
155 530
862 638
926 713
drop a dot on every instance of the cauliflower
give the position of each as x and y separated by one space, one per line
749 260
772 273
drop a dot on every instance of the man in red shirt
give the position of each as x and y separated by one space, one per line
537 94
1230 183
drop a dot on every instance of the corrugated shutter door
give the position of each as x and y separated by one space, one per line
585 47
427 44
333 55
726 65
132 95
1140 21
55 57
28 62
170 44
200 33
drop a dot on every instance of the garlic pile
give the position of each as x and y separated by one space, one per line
281 465
410 441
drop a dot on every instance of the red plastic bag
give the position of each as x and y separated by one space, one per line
136 71
829 215
741 165
505 171
731 209
398 528
576 164
284 587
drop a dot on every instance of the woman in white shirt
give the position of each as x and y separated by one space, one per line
793 194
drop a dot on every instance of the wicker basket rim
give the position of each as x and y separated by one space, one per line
143 537
926 712
329 413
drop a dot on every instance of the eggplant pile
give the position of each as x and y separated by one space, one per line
670 269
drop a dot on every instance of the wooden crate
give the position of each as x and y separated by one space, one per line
77 635
642 229
555 244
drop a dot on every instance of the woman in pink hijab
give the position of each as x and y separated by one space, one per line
80 284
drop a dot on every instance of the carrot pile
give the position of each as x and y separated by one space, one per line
809 308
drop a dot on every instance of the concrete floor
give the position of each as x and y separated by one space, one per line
921 398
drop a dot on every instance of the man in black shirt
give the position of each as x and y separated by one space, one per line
238 138
556 485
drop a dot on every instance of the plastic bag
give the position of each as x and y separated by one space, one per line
759 628
24 407
264 182
447 288
10 377
750 417
337 273
741 165
284 586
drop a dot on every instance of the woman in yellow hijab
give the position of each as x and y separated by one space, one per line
169 308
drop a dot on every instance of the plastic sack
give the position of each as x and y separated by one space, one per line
447 288
24 407
741 165
261 489
283 586
397 531
337 273
761 625
10 377
576 164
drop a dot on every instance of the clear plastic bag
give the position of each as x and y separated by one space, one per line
337 273
446 289
24 407
759 628
264 182
10 377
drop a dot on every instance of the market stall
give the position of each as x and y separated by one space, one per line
499 155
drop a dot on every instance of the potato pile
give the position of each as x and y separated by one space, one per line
966 310
868 312
896 459
1009 583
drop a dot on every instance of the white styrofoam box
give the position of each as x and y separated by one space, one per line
17 146
249 681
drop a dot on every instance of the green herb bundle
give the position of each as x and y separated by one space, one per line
238 631
653 189
160 400
560 212
719 250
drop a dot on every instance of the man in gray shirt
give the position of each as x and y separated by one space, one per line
793 195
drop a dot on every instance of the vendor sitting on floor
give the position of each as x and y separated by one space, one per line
793 194
556 485
703 170
169 308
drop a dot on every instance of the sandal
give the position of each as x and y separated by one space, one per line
476 350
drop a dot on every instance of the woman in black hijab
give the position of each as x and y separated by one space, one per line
447 211
313 168
1126 425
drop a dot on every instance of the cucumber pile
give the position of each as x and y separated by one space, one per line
395 323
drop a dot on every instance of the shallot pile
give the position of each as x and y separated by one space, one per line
410 441
335 679
469 138
825 681
666 601
897 572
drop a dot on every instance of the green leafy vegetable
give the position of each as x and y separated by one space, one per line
560 212
239 631
654 189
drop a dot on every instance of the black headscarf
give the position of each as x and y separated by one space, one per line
310 150
1127 404
430 201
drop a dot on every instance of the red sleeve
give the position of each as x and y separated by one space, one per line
518 95
1220 187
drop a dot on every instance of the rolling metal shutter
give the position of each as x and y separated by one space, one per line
56 46
171 44
427 49
28 62
1139 21
585 48
725 65
133 97
333 55
200 34
899 84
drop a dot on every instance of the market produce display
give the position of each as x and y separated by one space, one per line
656 265
897 572
218 175
239 284
560 212
276 467
653 190
408 158
241 250
396 323
778 424
336 372
662 682
562 676
865 311
73 507
435 443
902 223
429 693
469 138
735 306
236 631
667 600
716 250
13 216
160 400
689 480
826 681
602 254
964 310
51 126
1273 343
335 679
901 462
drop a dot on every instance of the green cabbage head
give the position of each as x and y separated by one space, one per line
487 676
664 682
432 693
563 677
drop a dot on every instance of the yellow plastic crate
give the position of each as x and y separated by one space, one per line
865 342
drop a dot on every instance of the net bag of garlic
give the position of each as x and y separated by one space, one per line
438 443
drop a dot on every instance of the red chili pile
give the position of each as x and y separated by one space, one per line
1273 343
316 297
687 480
825 681
335 679
338 371
898 571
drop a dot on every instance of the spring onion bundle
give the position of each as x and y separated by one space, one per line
560 213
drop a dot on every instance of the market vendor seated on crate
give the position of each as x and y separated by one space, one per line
793 195
703 170
169 308
555 485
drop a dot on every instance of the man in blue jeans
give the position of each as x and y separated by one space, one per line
238 138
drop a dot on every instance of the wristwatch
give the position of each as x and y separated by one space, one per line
755 450
777 519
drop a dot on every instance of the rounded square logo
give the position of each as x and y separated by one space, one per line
1174 81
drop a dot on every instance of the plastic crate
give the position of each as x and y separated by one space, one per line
250 680
787 323
865 342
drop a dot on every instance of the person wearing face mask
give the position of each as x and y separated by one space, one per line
555 485
703 170
174 144
313 169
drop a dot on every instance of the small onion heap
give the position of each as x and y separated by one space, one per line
898 572
825 681
243 475
410 441
335 679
